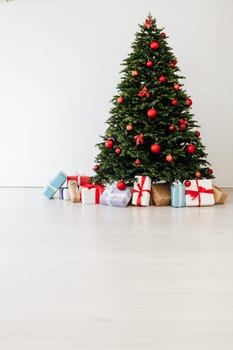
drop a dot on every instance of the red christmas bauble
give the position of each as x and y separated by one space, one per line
120 99
96 167
185 122
150 63
172 127
154 45
169 158
135 73
129 127
173 63
198 133
121 185
118 150
137 162
198 174
181 121
155 148
162 79
109 143
182 127
174 102
188 102
176 87
151 113
187 183
210 171
191 148
163 35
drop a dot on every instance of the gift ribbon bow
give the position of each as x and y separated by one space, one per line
144 92
196 193
140 190
139 139
98 190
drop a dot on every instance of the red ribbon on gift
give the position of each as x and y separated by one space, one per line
194 194
139 139
144 92
140 190
98 191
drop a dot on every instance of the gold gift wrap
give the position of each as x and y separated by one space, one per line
219 195
161 194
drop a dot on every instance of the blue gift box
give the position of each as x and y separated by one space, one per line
53 186
178 195
115 198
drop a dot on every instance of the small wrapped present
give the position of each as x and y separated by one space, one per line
64 193
81 180
53 186
219 195
178 195
141 191
116 198
199 193
90 193
161 194
74 191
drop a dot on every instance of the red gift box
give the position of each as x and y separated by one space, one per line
90 193
81 180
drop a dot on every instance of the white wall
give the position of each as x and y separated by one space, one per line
60 63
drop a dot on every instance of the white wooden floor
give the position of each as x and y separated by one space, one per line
102 278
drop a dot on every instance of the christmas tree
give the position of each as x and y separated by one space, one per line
151 130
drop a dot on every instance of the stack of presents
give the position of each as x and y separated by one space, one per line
190 193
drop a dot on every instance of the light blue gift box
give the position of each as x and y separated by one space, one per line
53 186
178 195
115 198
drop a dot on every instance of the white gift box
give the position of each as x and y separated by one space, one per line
199 193
90 194
141 191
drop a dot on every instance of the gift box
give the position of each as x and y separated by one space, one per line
141 191
161 194
199 193
64 193
90 193
178 195
116 198
81 180
53 186
219 195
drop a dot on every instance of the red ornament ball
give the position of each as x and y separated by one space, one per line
138 162
149 63
163 35
109 143
169 158
121 185
129 127
120 99
172 127
173 64
135 73
155 148
96 167
198 174
198 133
182 127
151 113
118 150
162 79
154 45
191 149
176 87
174 102
187 183
210 171
188 102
